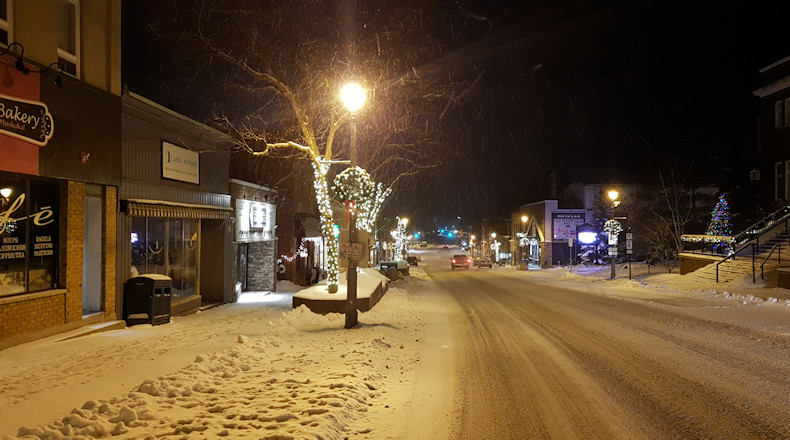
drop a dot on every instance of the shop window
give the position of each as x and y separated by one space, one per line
28 236
43 236
68 15
169 247
189 282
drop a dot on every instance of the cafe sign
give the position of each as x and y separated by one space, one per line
27 120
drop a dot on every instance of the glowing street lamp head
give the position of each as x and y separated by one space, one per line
353 96
5 192
493 235
524 219
405 221
613 195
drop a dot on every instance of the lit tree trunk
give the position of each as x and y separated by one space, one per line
325 211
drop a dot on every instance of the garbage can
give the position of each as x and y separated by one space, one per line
146 299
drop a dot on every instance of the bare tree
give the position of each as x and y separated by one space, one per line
672 211
280 65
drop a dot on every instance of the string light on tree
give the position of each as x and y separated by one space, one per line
720 224
355 184
401 237
325 211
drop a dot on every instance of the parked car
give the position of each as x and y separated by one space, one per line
485 262
423 244
444 246
460 260
412 260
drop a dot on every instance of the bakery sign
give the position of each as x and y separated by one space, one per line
24 119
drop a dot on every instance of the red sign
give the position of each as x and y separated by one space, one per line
18 155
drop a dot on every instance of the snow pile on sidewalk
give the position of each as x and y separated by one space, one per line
307 377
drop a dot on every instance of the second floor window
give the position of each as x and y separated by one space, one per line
68 36
5 22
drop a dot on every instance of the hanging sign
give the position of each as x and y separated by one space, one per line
24 119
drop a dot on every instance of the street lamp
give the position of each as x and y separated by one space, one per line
353 97
613 227
524 219
491 247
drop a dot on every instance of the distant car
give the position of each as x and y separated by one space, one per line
485 262
423 244
460 260
444 246
412 260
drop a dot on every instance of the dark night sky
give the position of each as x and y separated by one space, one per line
594 91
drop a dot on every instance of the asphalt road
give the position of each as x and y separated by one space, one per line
539 362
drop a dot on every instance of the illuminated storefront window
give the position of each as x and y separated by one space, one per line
28 235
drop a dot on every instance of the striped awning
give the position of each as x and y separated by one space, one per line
138 209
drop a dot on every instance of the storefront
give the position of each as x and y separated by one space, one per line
254 233
175 214
59 173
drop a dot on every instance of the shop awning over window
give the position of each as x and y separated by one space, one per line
140 209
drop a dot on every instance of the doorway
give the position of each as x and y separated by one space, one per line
91 257
241 269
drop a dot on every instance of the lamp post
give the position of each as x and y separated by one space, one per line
521 247
353 97
613 234
491 247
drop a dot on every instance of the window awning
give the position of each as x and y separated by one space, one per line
140 209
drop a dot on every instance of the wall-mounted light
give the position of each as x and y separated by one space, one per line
58 80
5 192
19 64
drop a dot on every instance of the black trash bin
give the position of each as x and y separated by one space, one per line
146 299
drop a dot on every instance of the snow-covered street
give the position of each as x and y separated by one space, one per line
258 369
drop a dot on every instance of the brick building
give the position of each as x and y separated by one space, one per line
255 239
59 165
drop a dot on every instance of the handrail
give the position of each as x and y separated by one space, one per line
732 255
765 225
779 254
754 232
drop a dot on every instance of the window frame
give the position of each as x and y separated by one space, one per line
63 54
779 180
778 114
7 24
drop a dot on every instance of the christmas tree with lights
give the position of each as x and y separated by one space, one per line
720 224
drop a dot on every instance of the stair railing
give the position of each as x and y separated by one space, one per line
780 217
777 247
732 256
767 224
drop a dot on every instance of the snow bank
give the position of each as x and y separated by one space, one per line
308 377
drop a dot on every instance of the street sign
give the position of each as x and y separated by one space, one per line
570 242
351 250
629 235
